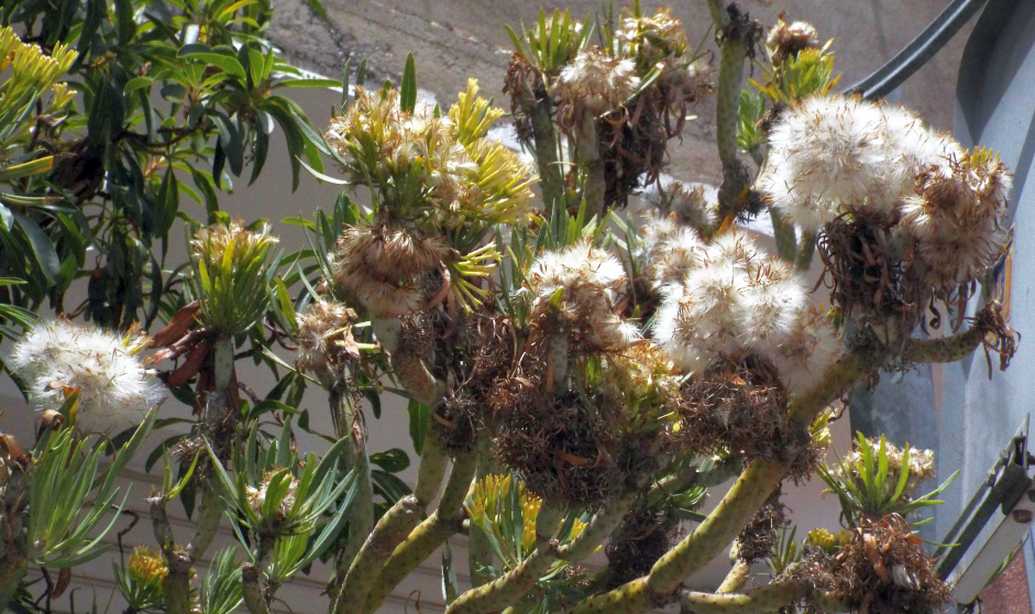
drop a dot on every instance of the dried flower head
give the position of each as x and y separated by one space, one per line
582 283
390 271
880 567
958 217
594 83
671 250
785 39
326 345
115 390
147 566
812 346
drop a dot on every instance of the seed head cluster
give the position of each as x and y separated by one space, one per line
115 389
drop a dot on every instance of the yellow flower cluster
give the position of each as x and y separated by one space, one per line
28 72
233 241
439 171
828 541
147 566
488 504
652 39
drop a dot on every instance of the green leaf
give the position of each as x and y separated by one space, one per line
420 421
27 169
314 83
226 61
393 460
124 16
42 249
321 177
408 91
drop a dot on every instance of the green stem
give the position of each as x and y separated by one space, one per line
763 600
513 585
176 585
252 590
551 179
733 513
947 349
783 232
361 514
394 527
734 50
808 248
390 530
509 587
12 569
736 578
587 154
430 534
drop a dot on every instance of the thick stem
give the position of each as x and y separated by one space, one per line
587 154
394 527
12 569
430 534
732 514
391 529
210 513
361 515
736 578
721 526
783 232
513 585
946 349
808 248
252 590
766 599
508 588
734 49
551 178
176 585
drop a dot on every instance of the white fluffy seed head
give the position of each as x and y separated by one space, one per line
596 82
833 154
810 348
670 250
737 301
588 281
115 389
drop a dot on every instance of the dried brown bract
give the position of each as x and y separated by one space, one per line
866 267
884 569
639 541
562 449
756 541
740 407
482 352
524 84
1000 337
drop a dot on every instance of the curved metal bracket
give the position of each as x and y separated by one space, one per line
921 49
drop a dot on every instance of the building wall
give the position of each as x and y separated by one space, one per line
979 413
